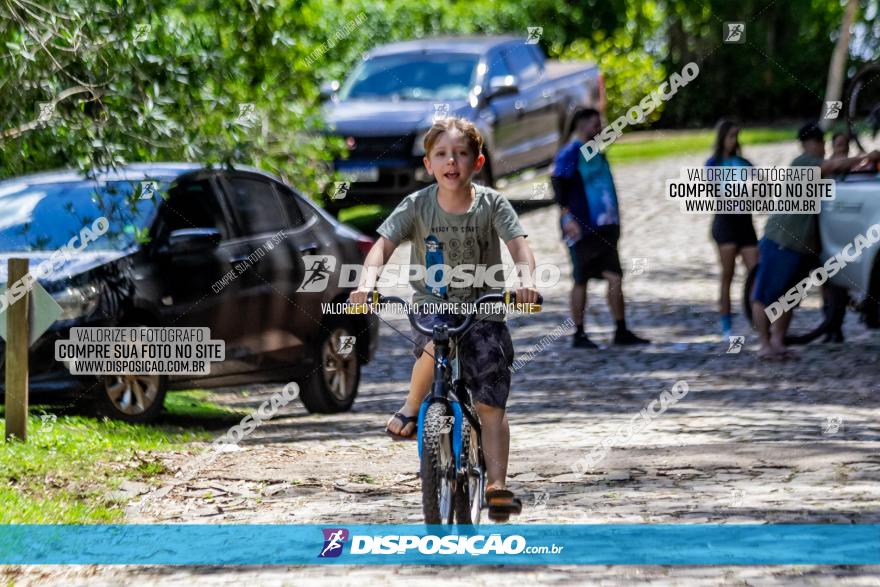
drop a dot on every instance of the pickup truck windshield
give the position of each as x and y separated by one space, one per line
412 76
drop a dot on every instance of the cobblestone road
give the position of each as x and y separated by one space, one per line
750 442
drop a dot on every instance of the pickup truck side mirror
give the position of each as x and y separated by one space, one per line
328 90
502 85
188 241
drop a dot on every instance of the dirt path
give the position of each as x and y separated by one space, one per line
749 442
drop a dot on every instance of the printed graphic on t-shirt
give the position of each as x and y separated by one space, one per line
434 256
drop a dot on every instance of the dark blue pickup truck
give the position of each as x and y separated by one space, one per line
521 102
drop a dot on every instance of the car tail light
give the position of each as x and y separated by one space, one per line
364 244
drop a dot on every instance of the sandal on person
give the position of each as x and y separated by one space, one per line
501 504
405 420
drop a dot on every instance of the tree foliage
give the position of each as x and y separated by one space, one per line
170 79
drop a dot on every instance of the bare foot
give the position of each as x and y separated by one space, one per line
769 353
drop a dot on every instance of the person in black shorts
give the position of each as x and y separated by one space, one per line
733 233
590 222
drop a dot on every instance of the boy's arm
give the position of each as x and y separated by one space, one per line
377 257
525 266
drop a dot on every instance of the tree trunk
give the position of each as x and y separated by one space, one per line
837 68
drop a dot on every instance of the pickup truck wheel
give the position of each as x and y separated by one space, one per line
333 384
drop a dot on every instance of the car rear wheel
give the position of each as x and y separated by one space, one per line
332 385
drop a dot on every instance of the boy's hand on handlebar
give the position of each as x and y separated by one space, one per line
359 296
527 295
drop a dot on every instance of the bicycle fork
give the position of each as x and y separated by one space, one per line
444 372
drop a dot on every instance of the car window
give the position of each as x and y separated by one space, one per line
193 204
497 65
522 63
289 200
256 205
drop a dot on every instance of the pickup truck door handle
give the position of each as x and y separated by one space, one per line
309 249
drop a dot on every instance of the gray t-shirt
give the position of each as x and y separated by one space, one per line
440 238
798 232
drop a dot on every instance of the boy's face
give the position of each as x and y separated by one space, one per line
589 127
451 161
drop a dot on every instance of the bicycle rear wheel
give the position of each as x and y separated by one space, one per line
438 466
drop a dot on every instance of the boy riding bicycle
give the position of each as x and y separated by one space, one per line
450 223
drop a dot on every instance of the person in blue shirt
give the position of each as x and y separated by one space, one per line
590 223
734 234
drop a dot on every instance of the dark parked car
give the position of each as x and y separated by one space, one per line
162 263
521 102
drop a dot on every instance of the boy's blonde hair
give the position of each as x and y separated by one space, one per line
449 123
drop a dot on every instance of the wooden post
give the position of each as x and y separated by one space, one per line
17 343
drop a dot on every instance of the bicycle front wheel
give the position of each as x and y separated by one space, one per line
471 485
438 466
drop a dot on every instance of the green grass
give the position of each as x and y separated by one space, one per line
67 470
688 142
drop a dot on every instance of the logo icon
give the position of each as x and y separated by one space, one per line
318 270
441 112
341 190
736 344
448 423
334 538
48 420
832 110
247 115
737 497
639 265
833 424
734 32
539 500
141 32
45 111
534 34
346 345
148 189
539 191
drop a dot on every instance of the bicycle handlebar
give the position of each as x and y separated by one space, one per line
506 297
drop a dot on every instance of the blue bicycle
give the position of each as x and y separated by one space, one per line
453 468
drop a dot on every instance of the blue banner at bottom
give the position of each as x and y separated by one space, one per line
627 544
